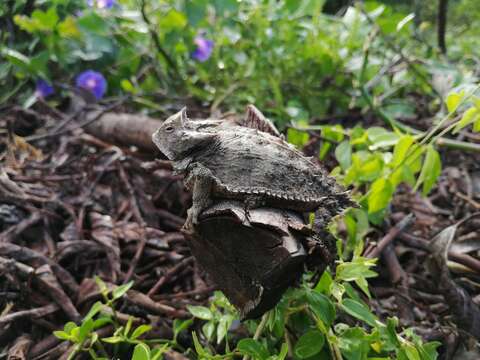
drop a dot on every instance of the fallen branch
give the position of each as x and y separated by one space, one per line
45 280
35 313
145 302
165 278
390 236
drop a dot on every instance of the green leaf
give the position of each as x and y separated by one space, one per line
196 11
405 21
128 326
356 344
68 28
309 344
25 23
180 325
325 283
198 347
431 169
222 6
362 283
128 86
252 348
75 334
91 22
476 125
370 168
428 351
61 335
101 285
17 58
222 327
139 331
283 352
94 310
359 311
391 333
85 329
101 321
333 133
46 20
322 307
411 352
208 330
382 140
343 154
141 352
380 195
113 339
157 352
200 312
121 290
453 101
401 149
297 137
359 267
469 117
173 20
69 326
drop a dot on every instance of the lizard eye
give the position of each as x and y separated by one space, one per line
169 129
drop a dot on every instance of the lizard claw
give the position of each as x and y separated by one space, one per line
191 222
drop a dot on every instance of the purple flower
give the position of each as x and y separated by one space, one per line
204 49
92 81
43 89
101 4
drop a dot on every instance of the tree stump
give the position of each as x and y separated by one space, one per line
253 261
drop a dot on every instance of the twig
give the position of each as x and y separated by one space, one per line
14 231
397 274
442 25
204 291
43 282
414 241
35 313
165 278
466 260
139 219
145 302
390 236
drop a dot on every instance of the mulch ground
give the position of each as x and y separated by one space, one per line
74 206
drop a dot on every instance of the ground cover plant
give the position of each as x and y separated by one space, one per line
92 261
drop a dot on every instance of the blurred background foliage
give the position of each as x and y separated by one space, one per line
296 60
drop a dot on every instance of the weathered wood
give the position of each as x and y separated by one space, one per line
124 129
252 262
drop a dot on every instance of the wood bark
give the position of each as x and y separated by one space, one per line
124 129
252 261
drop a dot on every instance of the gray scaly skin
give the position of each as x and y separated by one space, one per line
228 160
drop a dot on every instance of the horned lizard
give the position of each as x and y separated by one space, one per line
246 160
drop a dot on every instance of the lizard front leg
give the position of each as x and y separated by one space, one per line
200 181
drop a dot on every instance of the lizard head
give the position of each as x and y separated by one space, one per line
177 136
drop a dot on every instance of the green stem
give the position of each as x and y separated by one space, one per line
259 330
